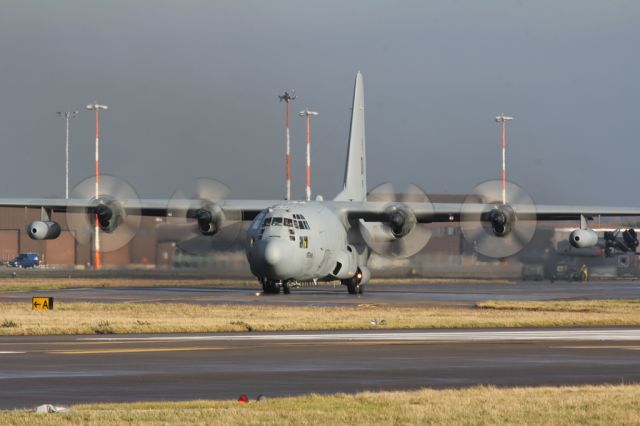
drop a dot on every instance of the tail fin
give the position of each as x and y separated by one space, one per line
355 174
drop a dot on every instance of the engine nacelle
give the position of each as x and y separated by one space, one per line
501 219
401 221
581 238
110 215
42 230
209 219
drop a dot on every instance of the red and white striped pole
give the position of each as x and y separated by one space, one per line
96 236
503 120
287 98
308 114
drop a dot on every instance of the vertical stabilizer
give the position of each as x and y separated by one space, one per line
355 174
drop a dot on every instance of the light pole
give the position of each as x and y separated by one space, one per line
67 116
287 98
503 120
96 239
308 114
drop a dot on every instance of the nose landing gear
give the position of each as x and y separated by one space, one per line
273 287
353 285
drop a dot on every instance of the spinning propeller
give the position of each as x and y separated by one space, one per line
399 234
117 208
200 212
497 229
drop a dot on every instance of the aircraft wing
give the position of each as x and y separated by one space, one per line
451 212
367 211
144 207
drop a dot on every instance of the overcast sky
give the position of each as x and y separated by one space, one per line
192 91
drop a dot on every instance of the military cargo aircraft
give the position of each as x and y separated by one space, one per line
289 243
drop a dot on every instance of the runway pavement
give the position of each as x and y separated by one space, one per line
72 369
424 293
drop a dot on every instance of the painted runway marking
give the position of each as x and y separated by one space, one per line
628 348
425 336
131 350
11 352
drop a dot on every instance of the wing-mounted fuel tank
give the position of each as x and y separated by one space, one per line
43 230
583 237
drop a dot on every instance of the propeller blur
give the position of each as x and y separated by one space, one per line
293 243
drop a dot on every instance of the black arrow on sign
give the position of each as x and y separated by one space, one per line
35 304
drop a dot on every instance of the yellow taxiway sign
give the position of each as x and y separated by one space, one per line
42 303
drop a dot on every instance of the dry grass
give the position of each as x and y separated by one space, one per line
457 280
593 405
45 283
26 283
106 318
587 306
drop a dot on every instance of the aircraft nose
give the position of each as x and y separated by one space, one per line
274 251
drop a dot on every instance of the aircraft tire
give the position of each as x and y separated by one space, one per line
271 288
360 288
286 289
352 286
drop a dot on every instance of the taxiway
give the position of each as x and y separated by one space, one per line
422 293
73 369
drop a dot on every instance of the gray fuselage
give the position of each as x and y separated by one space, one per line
301 242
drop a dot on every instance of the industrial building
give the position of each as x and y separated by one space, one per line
144 250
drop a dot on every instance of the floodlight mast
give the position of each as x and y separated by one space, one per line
287 98
96 238
308 114
502 119
67 116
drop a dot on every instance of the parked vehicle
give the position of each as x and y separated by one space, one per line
25 260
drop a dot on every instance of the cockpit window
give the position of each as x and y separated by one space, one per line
288 222
300 222
258 220
267 222
276 221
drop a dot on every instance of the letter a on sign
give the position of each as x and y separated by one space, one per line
42 303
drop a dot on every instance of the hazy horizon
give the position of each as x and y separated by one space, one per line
192 91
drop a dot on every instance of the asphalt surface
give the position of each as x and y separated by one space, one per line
454 293
66 370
